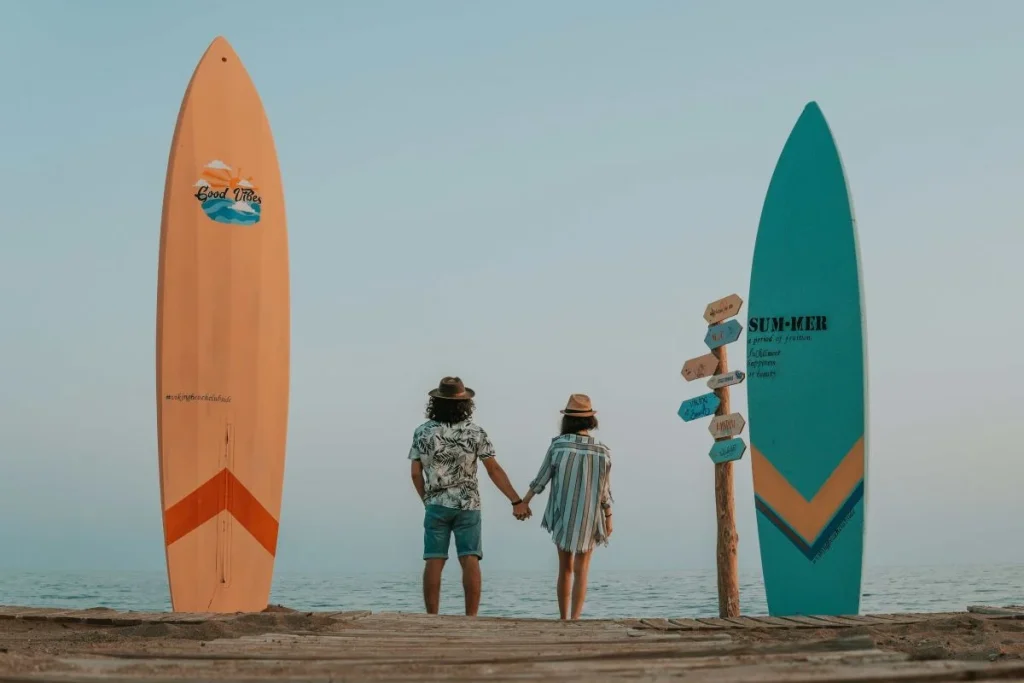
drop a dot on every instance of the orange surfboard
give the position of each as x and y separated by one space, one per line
222 344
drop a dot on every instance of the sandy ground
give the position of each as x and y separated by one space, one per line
27 646
963 637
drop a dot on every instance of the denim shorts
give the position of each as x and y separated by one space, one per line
439 523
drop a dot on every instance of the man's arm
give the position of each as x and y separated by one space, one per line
500 479
485 451
417 478
416 470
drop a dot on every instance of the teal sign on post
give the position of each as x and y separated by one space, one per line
728 450
725 333
699 406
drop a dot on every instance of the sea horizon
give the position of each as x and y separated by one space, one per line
612 593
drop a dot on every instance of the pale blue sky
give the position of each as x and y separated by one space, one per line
540 197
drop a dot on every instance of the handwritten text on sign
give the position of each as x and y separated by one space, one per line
701 366
717 311
723 426
728 450
726 380
720 335
699 406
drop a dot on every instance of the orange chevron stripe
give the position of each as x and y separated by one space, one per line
808 517
222 492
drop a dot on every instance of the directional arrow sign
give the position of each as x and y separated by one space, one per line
723 426
726 380
698 407
701 366
720 335
717 311
725 451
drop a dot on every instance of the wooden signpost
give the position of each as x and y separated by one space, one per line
701 366
725 428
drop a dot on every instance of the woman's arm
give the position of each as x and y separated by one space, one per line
606 488
547 470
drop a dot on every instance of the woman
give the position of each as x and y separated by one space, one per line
579 509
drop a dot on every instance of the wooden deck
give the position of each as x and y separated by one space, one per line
39 644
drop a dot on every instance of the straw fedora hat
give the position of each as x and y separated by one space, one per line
579 406
452 388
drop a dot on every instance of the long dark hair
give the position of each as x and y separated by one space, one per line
449 411
573 424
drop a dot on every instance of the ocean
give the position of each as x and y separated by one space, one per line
611 594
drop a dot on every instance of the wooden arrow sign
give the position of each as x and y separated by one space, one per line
723 426
726 380
699 406
698 367
720 335
717 311
728 450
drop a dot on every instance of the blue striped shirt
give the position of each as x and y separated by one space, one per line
579 469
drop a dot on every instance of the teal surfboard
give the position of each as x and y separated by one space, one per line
807 382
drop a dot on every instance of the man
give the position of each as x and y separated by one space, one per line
444 455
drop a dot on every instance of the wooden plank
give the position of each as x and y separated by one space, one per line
36 613
693 624
728 450
101 618
113 620
49 615
661 624
701 366
866 620
825 667
777 621
829 621
900 618
8 611
720 623
722 309
995 611
345 616
807 621
748 622
835 620
632 623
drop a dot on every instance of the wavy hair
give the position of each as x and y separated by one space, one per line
573 424
448 411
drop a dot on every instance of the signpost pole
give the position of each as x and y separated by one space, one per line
725 429
728 566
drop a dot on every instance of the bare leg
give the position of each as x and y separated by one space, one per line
564 582
580 568
432 584
471 582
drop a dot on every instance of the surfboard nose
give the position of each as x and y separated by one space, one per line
220 48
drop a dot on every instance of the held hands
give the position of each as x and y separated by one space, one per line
522 511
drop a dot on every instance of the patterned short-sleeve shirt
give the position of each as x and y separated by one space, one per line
449 453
